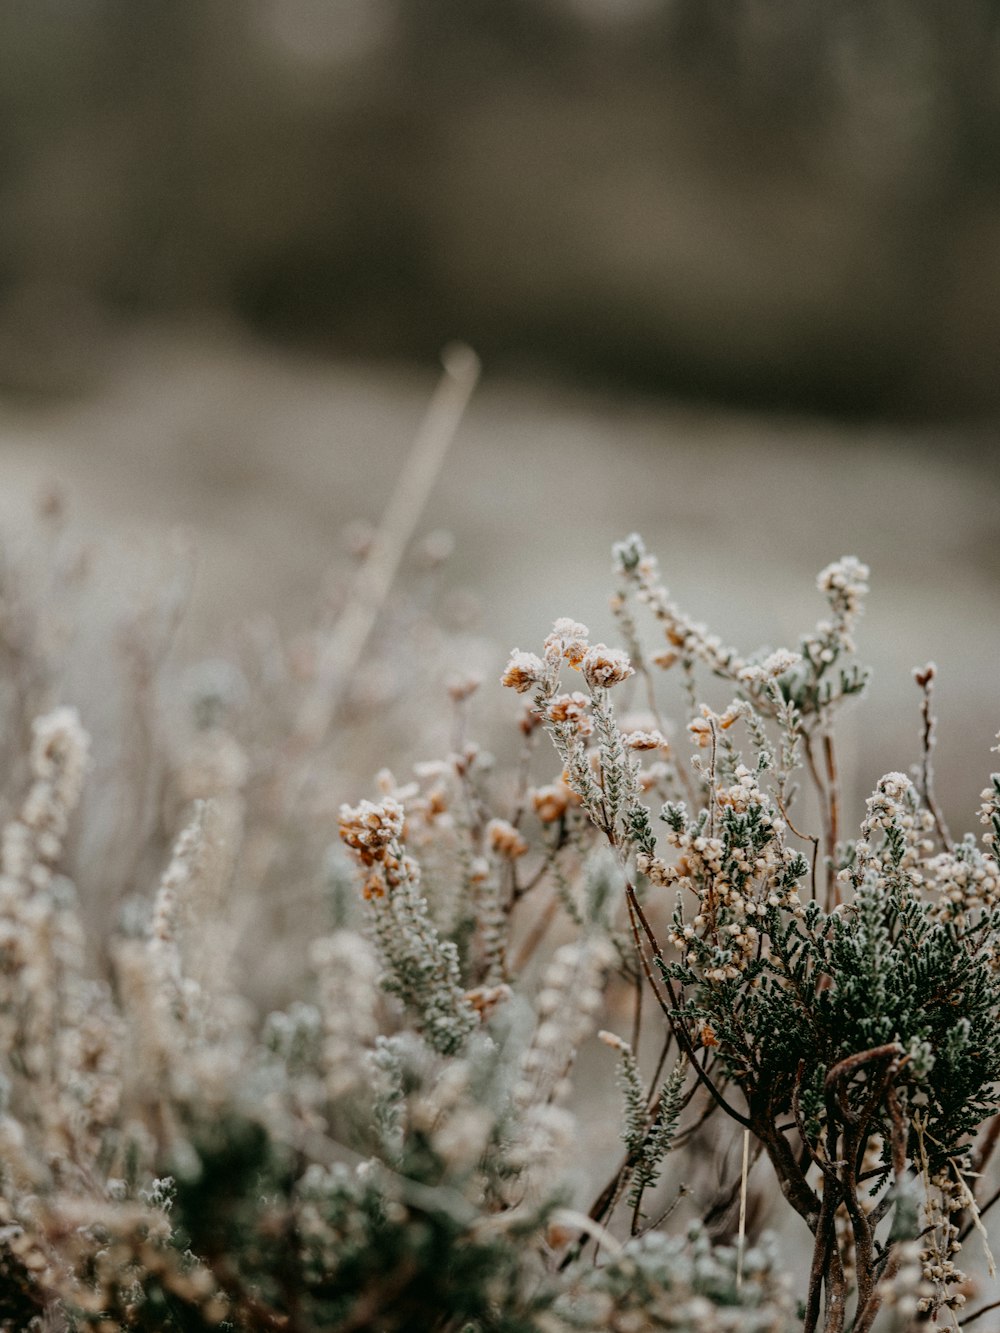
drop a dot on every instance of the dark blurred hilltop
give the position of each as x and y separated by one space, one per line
776 202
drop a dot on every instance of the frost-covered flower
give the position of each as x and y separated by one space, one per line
603 667
777 664
523 671
701 732
847 578
370 827
504 839
552 801
567 642
892 795
645 740
571 710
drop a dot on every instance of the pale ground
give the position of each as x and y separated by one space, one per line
263 457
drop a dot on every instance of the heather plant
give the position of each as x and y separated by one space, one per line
398 1146
853 1037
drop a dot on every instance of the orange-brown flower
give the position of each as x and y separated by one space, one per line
370 827
646 740
603 666
524 671
551 802
666 659
701 731
568 640
485 999
504 839
571 710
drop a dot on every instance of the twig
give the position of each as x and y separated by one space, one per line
824 800
970 1226
804 837
682 1192
925 679
637 1012
741 1241
984 1149
571 1218
638 917
967 1319
535 936
833 795
374 579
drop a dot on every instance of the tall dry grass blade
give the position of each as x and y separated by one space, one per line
376 575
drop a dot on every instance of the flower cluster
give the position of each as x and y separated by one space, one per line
504 839
845 583
370 828
772 668
421 967
572 710
965 881
524 671
823 1017
946 1196
553 800
346 972
32 842
738 877
989 813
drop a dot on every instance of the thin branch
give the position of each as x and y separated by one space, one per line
833 795
969 1227
682 1192
534 937
925 680
829 800
635 907
967 1319
804 837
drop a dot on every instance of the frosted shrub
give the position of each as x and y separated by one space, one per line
399 1147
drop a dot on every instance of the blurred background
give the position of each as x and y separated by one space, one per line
789 204
733 268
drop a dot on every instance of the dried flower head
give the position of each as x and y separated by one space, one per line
551 802
523 672
604 667
701 732
504 839
370 828
572 710
461 688
567 642
646 740
775 665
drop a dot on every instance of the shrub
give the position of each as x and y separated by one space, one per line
392 1152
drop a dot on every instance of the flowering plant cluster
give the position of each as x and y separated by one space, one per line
399 1148
837 998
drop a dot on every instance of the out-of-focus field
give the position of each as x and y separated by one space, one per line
262 457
